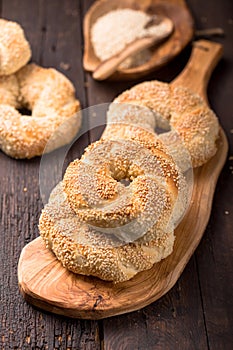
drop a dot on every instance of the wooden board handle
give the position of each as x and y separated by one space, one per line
195 76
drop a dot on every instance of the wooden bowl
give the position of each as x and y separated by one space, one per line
176 10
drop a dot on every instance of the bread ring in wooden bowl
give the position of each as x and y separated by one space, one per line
50 97
15 50
179 110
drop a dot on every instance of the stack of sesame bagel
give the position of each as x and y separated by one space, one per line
115 211
46 93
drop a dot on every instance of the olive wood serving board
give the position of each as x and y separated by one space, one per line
183 32
46 284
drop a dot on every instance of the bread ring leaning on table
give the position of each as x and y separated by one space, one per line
51 98
15 50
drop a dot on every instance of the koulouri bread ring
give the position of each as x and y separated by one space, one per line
95 192
176 109
50 97
15 50
91 215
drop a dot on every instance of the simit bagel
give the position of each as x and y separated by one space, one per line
95 192
75 223
51 98
15 50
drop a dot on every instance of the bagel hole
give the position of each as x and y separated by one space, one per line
121 176
159 130
125 182
25 111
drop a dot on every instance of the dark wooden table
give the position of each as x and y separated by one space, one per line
197 312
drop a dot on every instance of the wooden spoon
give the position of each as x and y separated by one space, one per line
109 66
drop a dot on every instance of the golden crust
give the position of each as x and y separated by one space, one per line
15 50
9 90
73 206
181 110
51 97
93 183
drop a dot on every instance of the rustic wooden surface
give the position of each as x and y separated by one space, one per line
197 312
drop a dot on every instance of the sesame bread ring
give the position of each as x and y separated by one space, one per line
73 223
93 185
180 110
87 251
15 50
98 197
50 97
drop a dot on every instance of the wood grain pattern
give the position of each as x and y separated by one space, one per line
196 312
177 11
53 288
214 256
175 321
